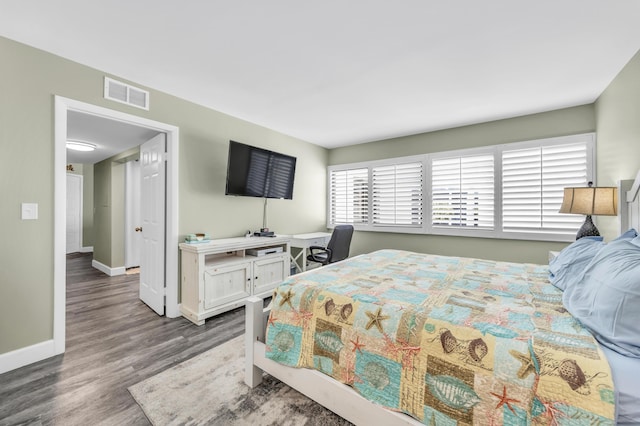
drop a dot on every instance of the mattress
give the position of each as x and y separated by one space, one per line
626 379
446 340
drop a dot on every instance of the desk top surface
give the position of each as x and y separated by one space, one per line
311 235
236 243
224 244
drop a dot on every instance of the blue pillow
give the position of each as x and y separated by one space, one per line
567 267
607 300
628 235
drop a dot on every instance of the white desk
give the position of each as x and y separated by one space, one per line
303 242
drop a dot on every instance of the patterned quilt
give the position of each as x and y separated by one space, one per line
446 340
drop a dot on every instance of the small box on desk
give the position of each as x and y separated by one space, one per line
264 234
263 251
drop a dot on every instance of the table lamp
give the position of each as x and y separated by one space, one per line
590 201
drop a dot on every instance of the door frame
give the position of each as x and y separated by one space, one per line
62 106
81 212
131 204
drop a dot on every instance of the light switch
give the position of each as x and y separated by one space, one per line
29 211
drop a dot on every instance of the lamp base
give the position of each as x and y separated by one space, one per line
588 229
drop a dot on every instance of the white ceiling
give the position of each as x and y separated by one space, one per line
337 72
111 137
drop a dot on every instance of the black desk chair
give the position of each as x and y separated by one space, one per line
337 249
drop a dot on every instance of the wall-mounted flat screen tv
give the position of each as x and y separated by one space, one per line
257 172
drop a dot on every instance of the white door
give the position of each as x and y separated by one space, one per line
133 219
74 213
152 210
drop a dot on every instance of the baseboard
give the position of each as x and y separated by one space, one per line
112 272
25 356
88 249
171 313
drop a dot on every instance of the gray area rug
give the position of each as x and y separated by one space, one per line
209 389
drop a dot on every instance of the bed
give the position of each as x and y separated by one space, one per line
395 337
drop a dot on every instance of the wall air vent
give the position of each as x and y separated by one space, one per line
126 94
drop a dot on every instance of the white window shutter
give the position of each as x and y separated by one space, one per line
349 196
533 180
511 191
397 194
462 192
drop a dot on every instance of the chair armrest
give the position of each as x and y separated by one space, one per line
319 250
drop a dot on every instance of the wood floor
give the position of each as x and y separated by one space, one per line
113 342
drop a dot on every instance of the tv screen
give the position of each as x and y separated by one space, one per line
257 172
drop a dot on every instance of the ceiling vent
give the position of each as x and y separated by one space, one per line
126 94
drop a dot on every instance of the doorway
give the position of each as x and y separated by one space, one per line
62 107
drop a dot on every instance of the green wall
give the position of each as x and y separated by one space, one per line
108 248
117 215
618 119
26 164
536 126
102 216
109 184
29 79
555 123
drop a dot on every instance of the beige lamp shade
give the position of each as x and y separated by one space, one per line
590 201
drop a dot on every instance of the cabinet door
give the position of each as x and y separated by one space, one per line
268 273
226 284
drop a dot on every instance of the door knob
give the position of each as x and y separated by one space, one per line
138 228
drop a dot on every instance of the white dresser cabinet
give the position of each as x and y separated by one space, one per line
219 275
268 273
226 283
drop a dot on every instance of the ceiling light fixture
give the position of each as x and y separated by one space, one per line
80 146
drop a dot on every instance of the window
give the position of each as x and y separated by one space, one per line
349 196
502 191
462 191
397 194
533 180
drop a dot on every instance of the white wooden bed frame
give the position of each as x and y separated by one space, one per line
629 194
340 398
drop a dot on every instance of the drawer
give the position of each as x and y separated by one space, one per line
319 242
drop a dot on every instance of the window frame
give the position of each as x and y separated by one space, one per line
496 150
352 166
589 139
419 185
497 200
370 165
